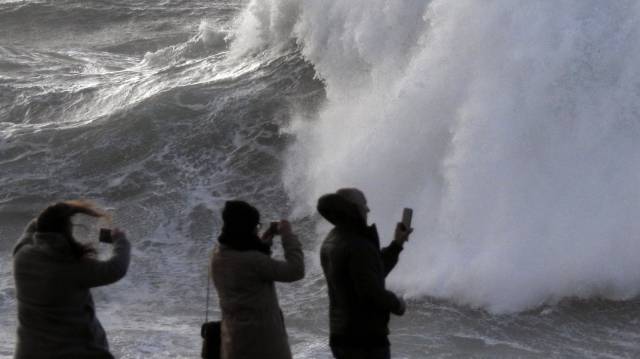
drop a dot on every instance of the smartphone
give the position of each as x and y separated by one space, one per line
273 228
105 235
407 215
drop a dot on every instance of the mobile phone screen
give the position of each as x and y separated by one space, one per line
407 215
105 235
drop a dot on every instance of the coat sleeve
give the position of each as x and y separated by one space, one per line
290 269
367 274
95 273
27 236
390 255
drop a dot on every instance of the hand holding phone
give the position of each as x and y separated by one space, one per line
111 235
274 228
105 236
271 232
284 228
403 229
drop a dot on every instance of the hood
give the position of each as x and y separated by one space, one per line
54 242
26 238
339 211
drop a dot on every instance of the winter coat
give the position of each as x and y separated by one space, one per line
355 269
56 314
252 322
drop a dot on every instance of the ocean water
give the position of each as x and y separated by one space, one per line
511 127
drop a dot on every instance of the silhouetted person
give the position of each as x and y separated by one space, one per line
53 274
355 269
244 274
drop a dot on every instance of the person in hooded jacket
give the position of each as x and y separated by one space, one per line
53 275
355 269
244 275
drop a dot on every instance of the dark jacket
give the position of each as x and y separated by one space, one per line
355 269
252 323
56 314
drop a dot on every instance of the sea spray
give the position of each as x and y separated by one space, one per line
510 126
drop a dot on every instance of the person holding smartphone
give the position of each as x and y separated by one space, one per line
244 275
355 269
53 276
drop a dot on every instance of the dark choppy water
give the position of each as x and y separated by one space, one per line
141 106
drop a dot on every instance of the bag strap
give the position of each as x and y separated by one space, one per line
206 311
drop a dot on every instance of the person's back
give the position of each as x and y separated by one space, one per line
56 314
250 304
244 274
334 259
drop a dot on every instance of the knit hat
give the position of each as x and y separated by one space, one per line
240 215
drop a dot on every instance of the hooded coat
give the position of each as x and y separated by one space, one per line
252 323
56 313
355 269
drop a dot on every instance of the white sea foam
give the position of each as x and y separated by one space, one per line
510 126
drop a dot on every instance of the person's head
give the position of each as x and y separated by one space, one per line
57 219
240 217
356 197
240 226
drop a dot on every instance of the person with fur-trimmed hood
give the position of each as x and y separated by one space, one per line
355 269
53 275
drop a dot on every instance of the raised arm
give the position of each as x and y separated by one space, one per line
391 253
291 268
95 273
